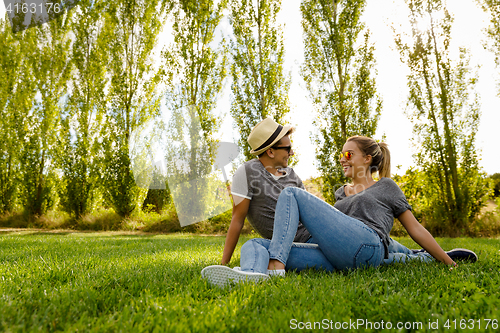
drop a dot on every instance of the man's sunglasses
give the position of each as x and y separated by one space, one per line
347 155
287 148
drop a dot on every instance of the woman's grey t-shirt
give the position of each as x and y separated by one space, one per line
252 181
377 206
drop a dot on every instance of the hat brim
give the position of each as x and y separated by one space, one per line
285 130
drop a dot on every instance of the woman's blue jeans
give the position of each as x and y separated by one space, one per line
338 241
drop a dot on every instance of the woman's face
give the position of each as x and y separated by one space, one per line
357 165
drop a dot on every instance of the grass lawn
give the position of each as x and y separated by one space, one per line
132 283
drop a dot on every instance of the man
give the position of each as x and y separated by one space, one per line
258 183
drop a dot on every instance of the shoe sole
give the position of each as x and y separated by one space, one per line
471 256
467 255
222 276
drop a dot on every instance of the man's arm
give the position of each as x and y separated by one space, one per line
240 211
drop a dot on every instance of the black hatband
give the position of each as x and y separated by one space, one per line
271 139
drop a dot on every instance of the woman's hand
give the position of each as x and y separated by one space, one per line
422 237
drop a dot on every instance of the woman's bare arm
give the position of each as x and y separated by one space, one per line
422 237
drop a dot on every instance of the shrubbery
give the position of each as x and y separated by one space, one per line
427 208
147 220
158 213
495 183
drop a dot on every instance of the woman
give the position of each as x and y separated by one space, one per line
351 234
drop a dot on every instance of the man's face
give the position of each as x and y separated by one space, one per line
281 156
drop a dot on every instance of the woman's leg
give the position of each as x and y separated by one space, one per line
395 257
345 241
400 253
307 255
255 257
396 247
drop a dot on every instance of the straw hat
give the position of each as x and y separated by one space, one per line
265 134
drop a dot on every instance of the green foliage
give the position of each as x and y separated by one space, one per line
124 282
338 71
80 194
493 8
82 116
195 73
16 98
121 192
413 185
195 70
48 57
259 86
156 200
495 179
423 197
445 118
39 189
132 93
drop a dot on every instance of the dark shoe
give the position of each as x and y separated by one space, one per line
418 251
462 255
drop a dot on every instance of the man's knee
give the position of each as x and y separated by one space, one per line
249 245
292 190
254 244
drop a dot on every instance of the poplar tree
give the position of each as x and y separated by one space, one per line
48 59
445 116
132 93
493 8
79 158
339 75
195 68
259 83
17 92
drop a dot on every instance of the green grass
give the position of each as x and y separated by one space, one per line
109 282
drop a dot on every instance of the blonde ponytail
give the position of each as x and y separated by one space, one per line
384 168
381 157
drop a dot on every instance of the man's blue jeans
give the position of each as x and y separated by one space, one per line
338 241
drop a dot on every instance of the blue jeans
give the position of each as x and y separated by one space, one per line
255 256
338 241
400 253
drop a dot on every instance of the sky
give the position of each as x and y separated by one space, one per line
468 32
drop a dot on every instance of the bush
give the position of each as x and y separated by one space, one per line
156 200
495 179
428 207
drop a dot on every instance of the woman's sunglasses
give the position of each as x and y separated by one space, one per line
347 155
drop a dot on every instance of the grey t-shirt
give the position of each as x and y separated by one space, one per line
377 206
252 181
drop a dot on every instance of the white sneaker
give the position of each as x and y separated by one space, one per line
222 275
276 272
